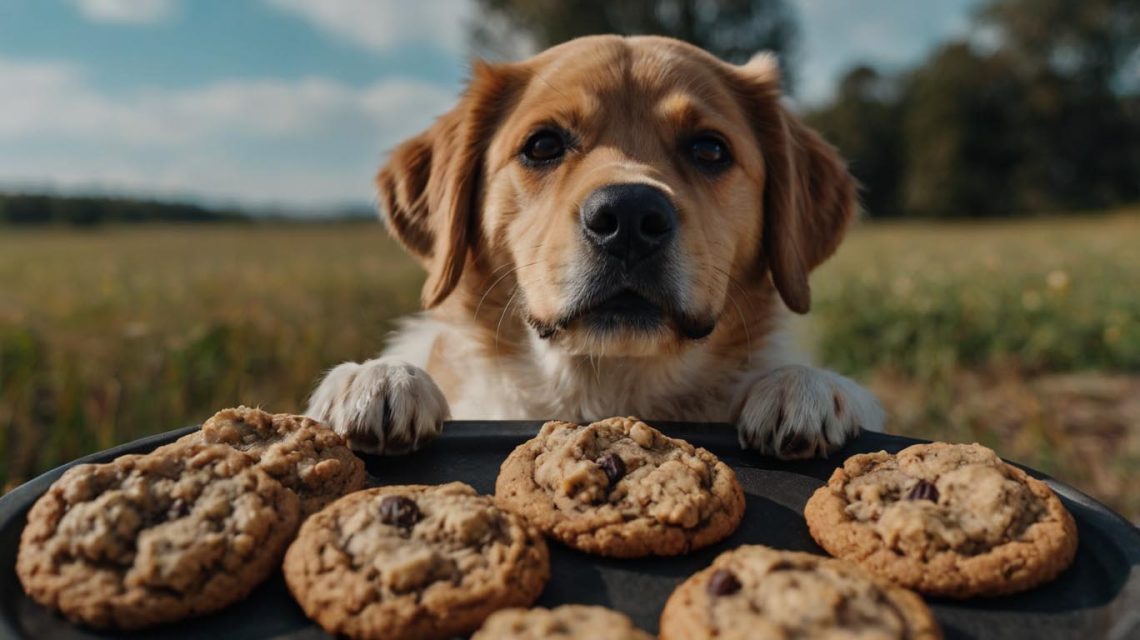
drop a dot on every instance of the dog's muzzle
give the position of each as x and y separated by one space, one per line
630 281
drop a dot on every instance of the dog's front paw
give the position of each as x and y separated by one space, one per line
801 412
381 406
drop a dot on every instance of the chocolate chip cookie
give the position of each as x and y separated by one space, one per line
569 622
757 592
149 539
307 457
621 488
945 519
414 561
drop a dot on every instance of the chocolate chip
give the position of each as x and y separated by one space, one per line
923 490
613 465
723 583
399 511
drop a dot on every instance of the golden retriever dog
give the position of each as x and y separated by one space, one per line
616 226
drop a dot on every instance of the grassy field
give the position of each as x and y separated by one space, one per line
1024 336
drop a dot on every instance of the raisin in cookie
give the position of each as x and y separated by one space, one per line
149 539
568 622
414 561
945 519
621 488
757 592
304 455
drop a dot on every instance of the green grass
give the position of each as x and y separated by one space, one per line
113 333
1024 336
927 300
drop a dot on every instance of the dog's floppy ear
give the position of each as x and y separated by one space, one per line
429 188
809 197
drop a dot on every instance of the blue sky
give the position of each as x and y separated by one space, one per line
293 103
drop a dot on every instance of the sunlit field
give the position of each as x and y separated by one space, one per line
1024 336
111 334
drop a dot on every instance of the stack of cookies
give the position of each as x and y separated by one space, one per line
185 530
940 519
196 525
436 561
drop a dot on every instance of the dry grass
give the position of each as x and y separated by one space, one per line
111 334
1000 333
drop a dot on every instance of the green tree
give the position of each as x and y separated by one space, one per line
1079 122
863 122
38 209
962 136
1038 110
730 29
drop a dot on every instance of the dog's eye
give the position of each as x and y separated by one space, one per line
543 147
709 152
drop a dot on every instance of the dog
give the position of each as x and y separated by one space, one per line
616 226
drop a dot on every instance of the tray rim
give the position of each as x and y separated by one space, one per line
19 500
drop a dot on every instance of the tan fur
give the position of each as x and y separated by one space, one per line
502 245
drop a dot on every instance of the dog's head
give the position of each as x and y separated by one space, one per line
624 187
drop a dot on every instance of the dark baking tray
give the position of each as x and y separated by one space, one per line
1098 597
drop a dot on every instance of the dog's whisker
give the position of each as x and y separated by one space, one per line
739 287
744 324
537 248
740 312
502 316
475 316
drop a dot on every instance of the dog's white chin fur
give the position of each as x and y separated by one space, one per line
579 340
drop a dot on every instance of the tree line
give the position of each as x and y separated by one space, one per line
41 209
1038 110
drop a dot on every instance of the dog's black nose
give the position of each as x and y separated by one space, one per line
629 221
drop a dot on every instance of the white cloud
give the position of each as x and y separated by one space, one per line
134 12
301 142
381 25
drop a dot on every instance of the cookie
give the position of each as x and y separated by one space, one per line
148 539
621 488
307 457
948 520
414 561
568 622
757 592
